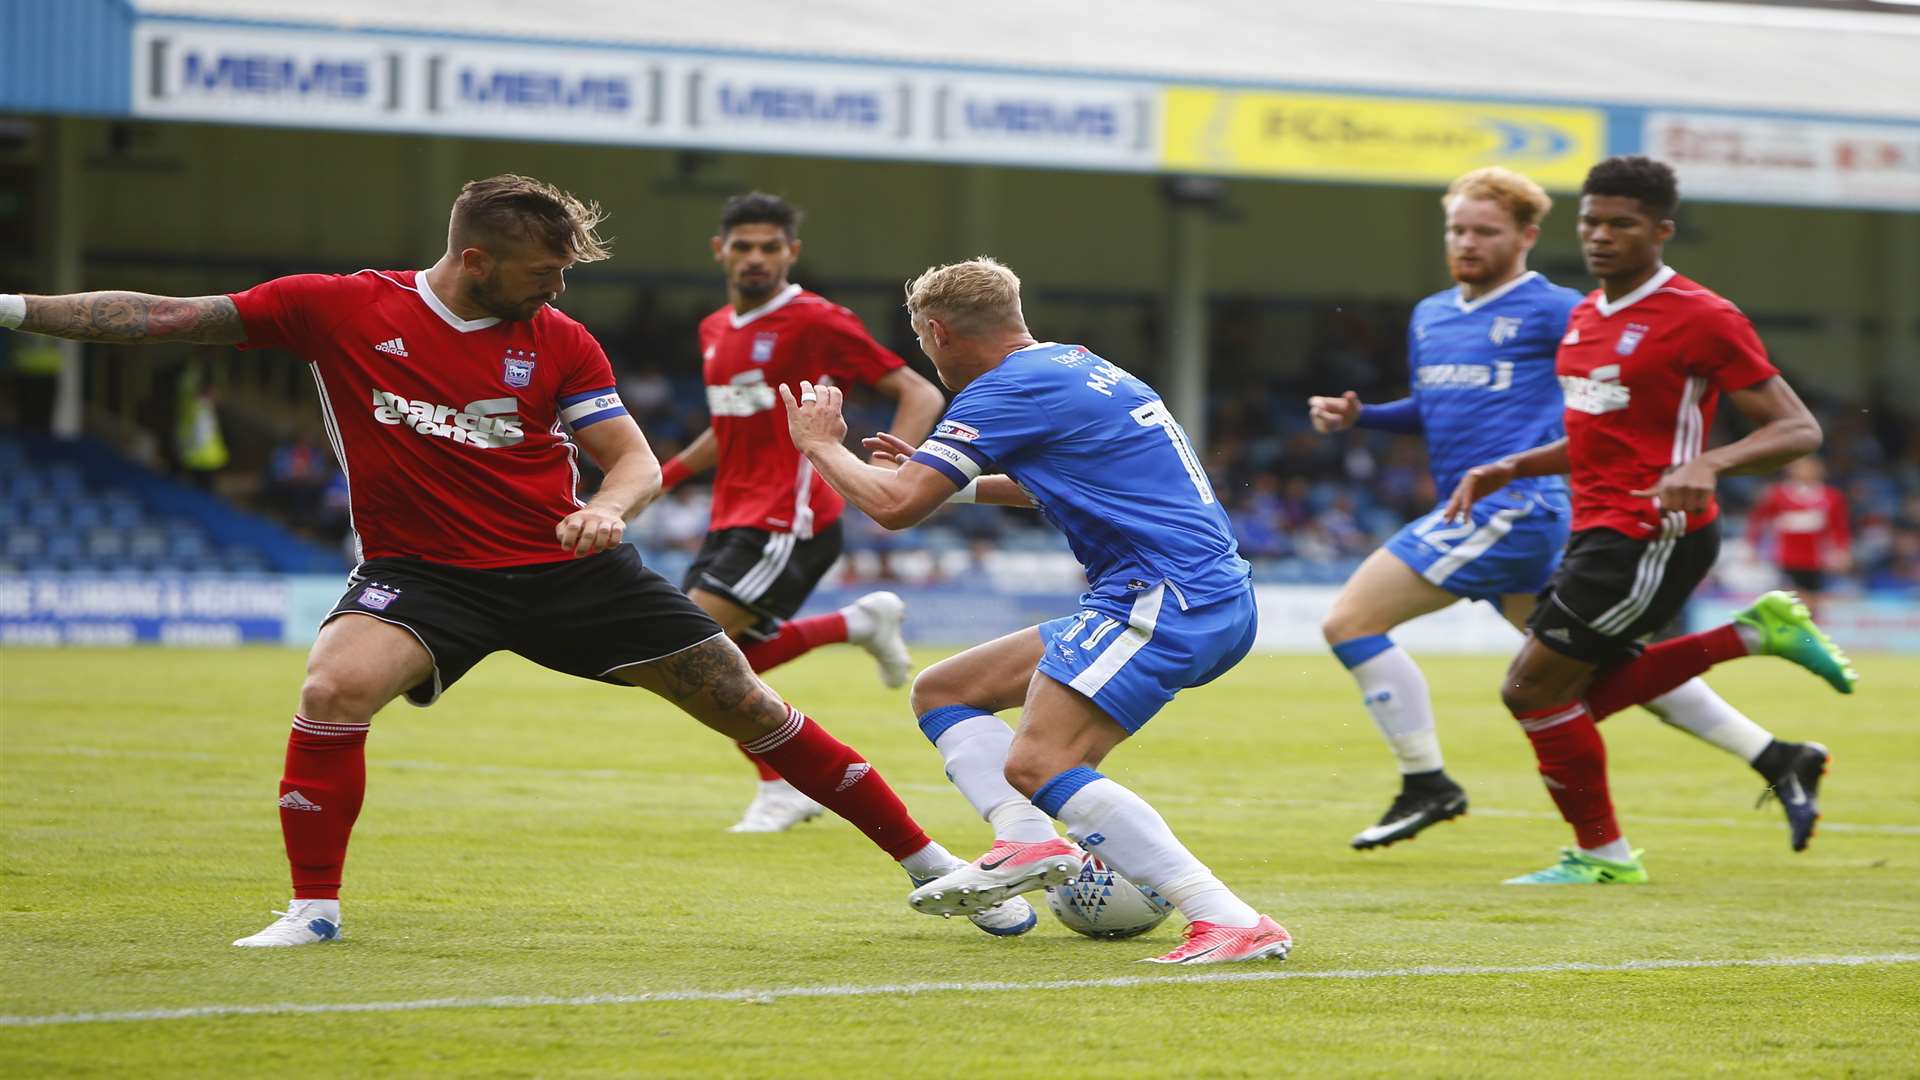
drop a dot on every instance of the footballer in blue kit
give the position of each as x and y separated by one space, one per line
1169 603
1481 360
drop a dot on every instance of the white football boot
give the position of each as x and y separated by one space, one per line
1008 869
886 644
777 807
305 922
1010 918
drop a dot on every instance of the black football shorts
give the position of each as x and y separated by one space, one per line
587 617
1612 591
770 574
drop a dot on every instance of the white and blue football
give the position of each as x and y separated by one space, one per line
1099 903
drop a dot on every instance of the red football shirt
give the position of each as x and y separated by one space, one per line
1809 520
1642 377
761 481
451 431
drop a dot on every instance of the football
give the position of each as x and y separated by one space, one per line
1099 903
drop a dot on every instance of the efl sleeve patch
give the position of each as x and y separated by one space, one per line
582 410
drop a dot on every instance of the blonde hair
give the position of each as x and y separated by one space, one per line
972 296
1516 194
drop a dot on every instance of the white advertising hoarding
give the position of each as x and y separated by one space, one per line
1811 162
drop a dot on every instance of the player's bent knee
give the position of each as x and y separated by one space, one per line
331 698
1029 772
933 688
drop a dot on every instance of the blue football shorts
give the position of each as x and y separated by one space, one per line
1132 655
1511 546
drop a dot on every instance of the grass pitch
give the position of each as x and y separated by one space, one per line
541 886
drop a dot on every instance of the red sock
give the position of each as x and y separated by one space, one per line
834 775
767 772
1573 763
1661 668
797 636
320 794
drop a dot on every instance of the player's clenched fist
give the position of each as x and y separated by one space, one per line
1331 414
813 416
1476 484
590 530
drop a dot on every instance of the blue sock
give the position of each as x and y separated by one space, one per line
1359 650
1054 793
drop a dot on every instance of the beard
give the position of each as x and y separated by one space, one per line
489 297
1475 273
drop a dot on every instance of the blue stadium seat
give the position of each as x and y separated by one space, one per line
25 544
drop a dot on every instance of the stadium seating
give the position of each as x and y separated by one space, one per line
78 507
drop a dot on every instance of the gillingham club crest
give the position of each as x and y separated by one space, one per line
517 368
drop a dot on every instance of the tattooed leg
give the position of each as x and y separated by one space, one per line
712 683
135 317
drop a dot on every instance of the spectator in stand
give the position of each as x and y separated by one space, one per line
1807 518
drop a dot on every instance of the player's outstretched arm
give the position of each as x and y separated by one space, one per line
698 456
130 317
894 498
1784 430
632 481
1483 480
890 451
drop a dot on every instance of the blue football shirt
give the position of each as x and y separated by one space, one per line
1483 378
1107 464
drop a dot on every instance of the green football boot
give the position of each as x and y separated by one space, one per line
1786 630
1576 868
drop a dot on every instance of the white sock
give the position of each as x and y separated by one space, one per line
860 625
319 909
1395 693
1694 708
1751 637
975 754
1131 837
1020 821
929 862
1616 851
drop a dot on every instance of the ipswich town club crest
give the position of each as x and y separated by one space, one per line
378 597
763 346
1630 338
518 368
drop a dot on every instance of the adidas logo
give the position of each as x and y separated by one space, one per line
293 800
392 347
1559 634
855 772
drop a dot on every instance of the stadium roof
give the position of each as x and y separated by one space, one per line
1656 52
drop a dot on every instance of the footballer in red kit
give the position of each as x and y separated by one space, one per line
774 530
457 399
1807 519
1642 366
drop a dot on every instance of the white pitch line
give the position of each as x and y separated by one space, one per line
544 1001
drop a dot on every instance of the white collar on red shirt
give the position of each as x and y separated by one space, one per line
779 301
1470 306
465 326
1653 284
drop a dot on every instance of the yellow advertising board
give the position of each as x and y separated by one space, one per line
1388 140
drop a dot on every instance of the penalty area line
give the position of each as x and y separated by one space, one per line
767 996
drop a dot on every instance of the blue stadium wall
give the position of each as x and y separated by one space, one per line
72 57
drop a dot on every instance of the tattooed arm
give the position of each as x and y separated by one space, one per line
135 318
